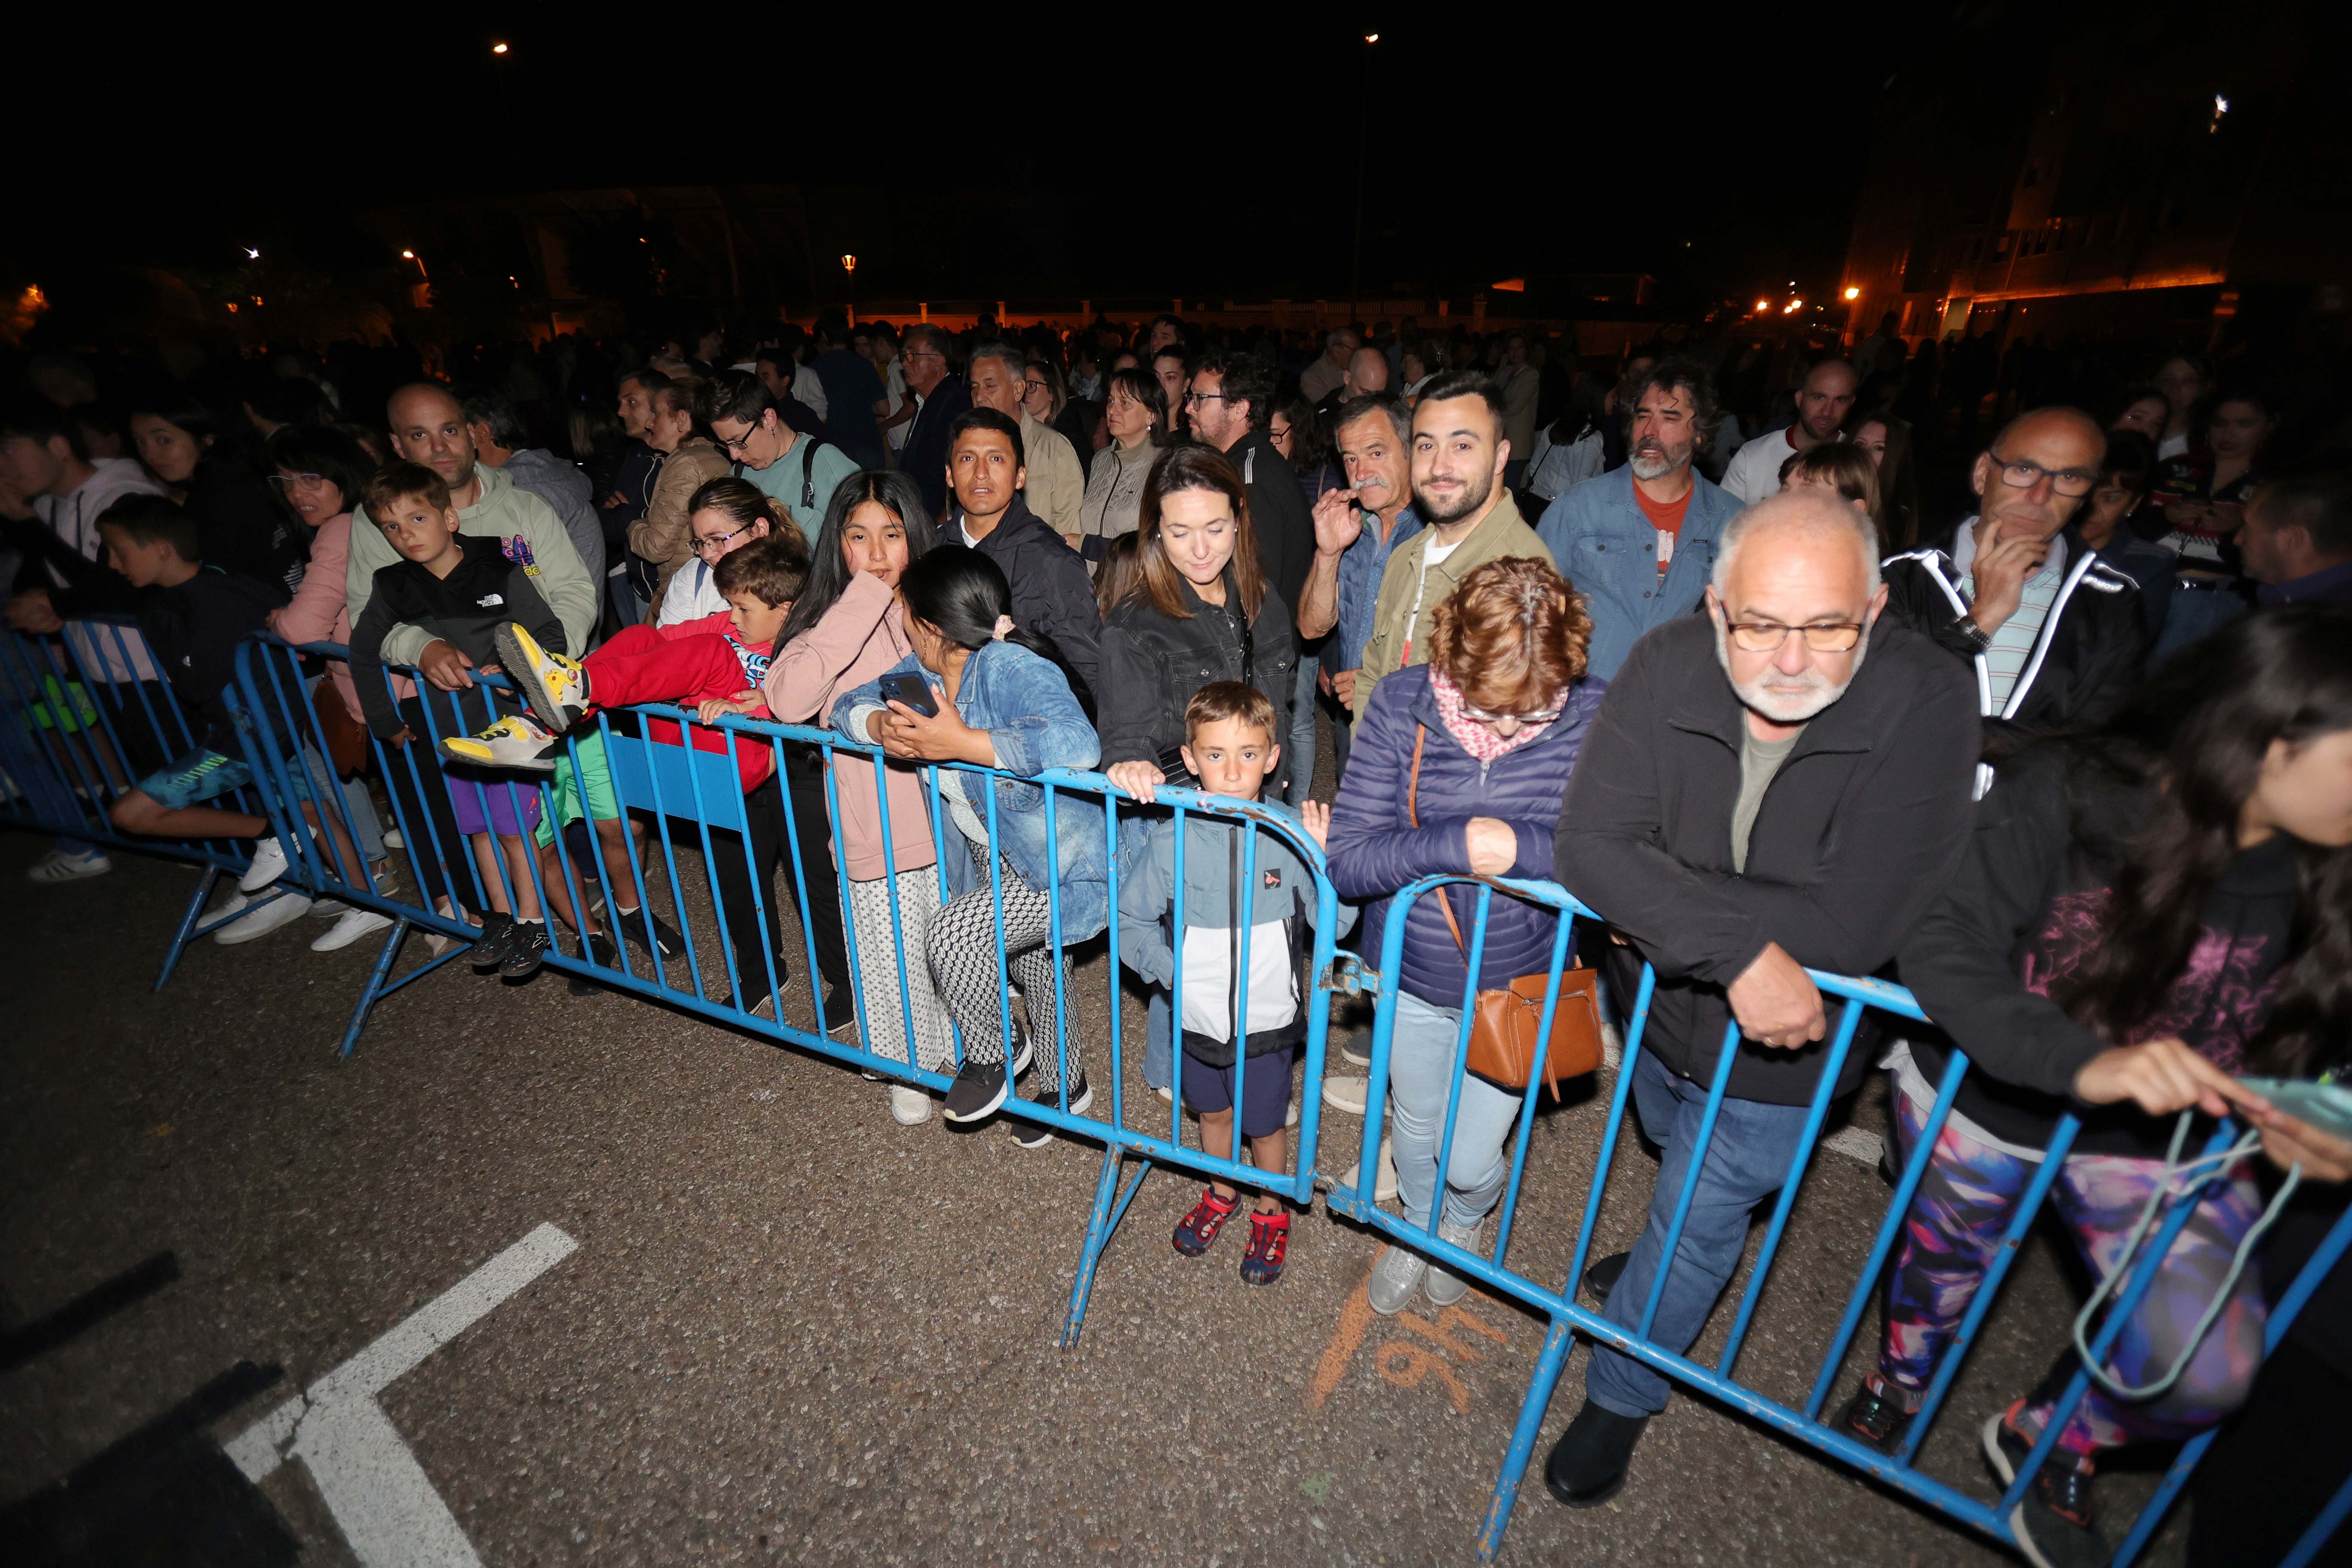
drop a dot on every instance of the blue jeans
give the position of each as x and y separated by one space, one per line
2191 617
1158 1058
1302 731
1421 1072
1746 1160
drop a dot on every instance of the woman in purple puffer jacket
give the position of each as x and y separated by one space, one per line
1496 719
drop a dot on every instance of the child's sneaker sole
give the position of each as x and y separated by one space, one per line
519 656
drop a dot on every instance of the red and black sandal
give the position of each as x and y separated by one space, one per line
1269 1242
1197 1231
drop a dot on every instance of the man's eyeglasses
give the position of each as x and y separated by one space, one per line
1821 637
2019 474
305 480
1194 399
920 353
738 443
716 543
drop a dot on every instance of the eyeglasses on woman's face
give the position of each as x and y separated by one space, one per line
711 546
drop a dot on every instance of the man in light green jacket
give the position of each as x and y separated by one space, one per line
429 428
1469 519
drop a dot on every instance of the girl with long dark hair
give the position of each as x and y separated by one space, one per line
1005 698
846 629
194 455
2147 913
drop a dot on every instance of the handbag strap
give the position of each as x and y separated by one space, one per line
1413 815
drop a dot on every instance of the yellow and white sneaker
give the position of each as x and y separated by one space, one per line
556 686
512 743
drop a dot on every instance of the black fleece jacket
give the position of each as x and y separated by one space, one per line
192 629
1857 831
464 609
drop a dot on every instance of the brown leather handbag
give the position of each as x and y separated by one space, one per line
346 737
1506 1026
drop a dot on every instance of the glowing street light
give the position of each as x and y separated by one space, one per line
2221 108
252 253
498 48
1372 37
849 263
1763 304
1853 293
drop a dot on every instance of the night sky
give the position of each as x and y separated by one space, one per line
1716 149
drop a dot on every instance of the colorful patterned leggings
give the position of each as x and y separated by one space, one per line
1964 1203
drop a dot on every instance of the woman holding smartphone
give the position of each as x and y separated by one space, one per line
2147 914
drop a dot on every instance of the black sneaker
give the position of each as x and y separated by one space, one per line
2053 1521
662 938
1876 1420
978 1091
1587 1466
1602 1277
1037 1134
526 950
602 953
490 947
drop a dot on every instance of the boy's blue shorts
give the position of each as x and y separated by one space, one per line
199 775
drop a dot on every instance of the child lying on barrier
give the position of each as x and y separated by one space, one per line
458 587
716 664
1229 745
193 616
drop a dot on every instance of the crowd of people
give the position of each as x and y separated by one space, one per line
2071 760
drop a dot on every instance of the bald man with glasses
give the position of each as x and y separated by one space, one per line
2052 633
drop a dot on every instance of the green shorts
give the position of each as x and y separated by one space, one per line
603 804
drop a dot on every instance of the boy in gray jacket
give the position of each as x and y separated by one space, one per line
1230 746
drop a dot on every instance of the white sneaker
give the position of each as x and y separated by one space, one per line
57 866
328 908
1348 1094
910 1106
269 864
1394 1279
263 918
1443 1286
1293 1120
513 741
393 840
354 925
234 904
1166 1093
1385 1188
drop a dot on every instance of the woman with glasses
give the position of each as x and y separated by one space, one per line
689 460
1046 400
1135 423
1458 767
722 516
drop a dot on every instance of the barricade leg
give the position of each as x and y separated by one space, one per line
1099 1229
1553 1360
188 920
2331 1520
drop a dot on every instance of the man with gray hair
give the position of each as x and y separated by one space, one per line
998 374
499 439
1326 376
1638 541
1356 530
1781 782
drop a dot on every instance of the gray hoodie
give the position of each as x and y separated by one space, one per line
566 488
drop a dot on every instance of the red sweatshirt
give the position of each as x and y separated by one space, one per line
690 662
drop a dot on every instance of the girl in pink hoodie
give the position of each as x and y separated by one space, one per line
845 630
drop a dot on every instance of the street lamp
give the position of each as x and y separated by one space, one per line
1363 134
1853 293
849 276
420 292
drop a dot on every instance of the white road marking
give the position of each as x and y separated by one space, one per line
1855 1143
380 1496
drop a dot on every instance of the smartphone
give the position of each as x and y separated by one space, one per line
2326 1105
912 690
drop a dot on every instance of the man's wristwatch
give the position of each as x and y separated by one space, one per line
1976 636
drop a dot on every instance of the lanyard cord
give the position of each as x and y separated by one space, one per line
2185 1182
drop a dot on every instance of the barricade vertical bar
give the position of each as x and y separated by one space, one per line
2143 1273
1559 1340
1535 1088
576 884
864 1014
2331 1519
1705 1140
939 862
2013 1243
1054 949
688 726
1176 989
1242 900
1003 958
1376 1080
1618 1099
758 877
800 884
676 892
1832 1066
1117 1064
1880 1250
1473 959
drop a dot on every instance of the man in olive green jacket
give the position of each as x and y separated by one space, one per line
1468 517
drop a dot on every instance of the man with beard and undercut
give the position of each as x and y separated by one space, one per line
1639 541
1468 516
1822 404
1780 783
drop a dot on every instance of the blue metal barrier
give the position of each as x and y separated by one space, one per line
1566 1318
692 798
83 718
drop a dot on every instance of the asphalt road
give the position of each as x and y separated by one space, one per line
793 1331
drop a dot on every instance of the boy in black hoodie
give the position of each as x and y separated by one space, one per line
460 588
193 616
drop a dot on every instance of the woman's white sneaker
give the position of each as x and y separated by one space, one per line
263 918
910 1106
353 925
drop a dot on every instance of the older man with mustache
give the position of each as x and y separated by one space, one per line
1639 541
1779 784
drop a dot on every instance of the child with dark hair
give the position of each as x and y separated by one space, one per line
460 588
193 616
1000 698
1230 746
716 664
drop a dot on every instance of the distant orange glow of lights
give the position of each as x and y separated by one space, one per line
1853 293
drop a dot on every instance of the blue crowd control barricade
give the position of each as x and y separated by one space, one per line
84 716
1800 1419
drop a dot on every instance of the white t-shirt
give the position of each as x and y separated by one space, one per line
1431 556
1754 471
809 390
693 594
